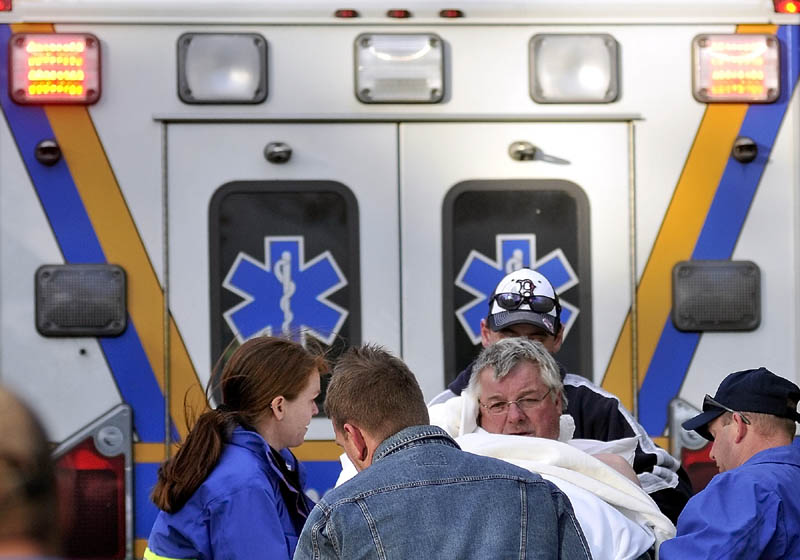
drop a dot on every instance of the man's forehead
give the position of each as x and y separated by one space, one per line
525 329
525 375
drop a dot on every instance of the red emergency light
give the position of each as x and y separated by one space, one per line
346 13
54 68
5 5
451 13
787 6
92 496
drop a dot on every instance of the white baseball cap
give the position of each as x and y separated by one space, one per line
524 296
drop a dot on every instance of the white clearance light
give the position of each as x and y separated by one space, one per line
399 68
222 68
739 67
574 68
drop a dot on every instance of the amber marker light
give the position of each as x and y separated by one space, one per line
54 68
736 68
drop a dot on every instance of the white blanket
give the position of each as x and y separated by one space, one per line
631 519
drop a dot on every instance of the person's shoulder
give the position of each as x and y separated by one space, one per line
579 384
584 395
770 470
497 468
739 492
238 469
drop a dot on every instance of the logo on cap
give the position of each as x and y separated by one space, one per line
525 287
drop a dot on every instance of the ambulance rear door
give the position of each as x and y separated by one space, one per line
479 199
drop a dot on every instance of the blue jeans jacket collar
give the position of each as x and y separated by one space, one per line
413 436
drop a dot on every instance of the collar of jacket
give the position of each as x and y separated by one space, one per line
252 441
411 437
561 370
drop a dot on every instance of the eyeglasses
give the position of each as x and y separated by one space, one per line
511 301
525 404
709 401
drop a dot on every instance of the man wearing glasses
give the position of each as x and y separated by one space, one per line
524 304
516 390
752 508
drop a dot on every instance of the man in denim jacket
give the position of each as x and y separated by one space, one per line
417 495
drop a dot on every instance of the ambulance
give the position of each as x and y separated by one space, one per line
178 176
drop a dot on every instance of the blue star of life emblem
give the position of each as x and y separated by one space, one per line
480 275
285 294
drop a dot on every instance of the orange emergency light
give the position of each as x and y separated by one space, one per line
54 68
787 6
739 68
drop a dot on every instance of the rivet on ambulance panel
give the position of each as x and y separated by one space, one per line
47 152
277 152
745 149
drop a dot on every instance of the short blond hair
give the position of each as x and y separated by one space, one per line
376 391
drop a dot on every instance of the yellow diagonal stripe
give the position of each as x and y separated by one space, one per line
122 245
675 241
677 237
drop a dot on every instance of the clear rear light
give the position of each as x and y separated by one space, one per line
94 469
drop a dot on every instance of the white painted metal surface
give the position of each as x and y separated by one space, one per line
436 157
203 157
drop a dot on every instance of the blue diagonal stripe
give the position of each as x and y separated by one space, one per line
719 235
78 242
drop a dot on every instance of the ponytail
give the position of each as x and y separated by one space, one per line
260 370
182 475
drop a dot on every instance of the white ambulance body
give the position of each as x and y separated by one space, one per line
387 165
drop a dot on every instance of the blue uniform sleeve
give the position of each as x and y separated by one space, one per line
733 517
245 525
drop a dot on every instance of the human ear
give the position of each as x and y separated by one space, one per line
356 446
486 338
277 406
559 339
741 427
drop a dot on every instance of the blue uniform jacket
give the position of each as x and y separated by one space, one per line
752 512
245 509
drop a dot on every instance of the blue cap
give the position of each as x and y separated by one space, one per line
752 390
